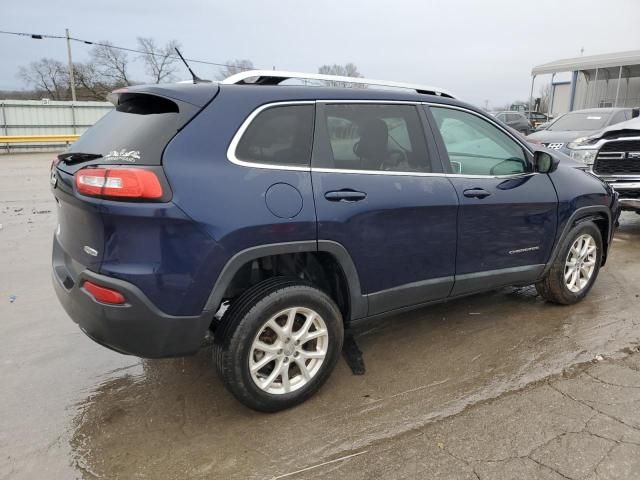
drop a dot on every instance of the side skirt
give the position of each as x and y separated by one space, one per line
481 281
435 291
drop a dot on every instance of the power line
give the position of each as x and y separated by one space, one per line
32 35
39 36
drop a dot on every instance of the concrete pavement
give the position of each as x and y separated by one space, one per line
584 424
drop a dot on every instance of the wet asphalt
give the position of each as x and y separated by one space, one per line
72 409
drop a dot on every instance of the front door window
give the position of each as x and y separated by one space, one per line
477 147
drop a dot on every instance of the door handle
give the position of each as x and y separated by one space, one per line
476 193
345 195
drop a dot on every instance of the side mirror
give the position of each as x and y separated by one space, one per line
544 162
635 112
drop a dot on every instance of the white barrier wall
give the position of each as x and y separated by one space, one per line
46 117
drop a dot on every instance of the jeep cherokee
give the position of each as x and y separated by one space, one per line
271 216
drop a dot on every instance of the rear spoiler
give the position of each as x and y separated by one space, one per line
197 95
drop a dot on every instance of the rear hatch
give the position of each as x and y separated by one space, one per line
131 137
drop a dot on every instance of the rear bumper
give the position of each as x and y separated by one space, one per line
136 328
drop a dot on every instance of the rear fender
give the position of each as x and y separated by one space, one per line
358 303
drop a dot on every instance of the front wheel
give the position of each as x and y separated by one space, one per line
278 343
576 267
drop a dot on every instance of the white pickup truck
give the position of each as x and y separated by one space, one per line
613 154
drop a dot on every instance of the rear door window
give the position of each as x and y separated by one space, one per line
374 137
279 135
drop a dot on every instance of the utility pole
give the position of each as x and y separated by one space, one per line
72 78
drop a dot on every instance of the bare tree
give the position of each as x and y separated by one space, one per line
48 76
347 70
112 64
90 84
108 68
159 61
234 66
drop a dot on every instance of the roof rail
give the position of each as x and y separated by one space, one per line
274 77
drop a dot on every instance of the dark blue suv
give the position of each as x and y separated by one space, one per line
269 217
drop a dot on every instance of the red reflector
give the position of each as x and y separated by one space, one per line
118 182
104 294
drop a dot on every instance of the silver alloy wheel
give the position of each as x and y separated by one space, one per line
580 263
288 350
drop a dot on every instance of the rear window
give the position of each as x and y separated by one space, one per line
137 130
279 136
580 121
146 105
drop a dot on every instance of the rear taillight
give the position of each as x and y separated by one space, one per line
118 182
104 294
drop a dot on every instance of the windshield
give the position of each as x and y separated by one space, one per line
580 121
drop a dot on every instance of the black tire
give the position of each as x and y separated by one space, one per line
552 286
246 318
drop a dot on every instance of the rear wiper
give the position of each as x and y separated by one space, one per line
75 157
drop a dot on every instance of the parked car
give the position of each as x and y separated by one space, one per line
270 217
515 120
561 157
614 155
577 124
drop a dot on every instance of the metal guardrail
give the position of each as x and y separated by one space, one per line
46 125
38 138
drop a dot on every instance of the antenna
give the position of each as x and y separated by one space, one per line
196 79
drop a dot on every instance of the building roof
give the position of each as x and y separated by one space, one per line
589 62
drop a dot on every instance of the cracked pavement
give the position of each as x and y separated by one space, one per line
495 386
584 425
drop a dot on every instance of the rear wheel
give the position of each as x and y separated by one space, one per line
576 267
278 343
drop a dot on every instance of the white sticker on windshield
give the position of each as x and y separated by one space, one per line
594 118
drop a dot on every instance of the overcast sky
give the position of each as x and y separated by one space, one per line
479 50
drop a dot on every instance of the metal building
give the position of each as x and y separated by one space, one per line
47 117
609 80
